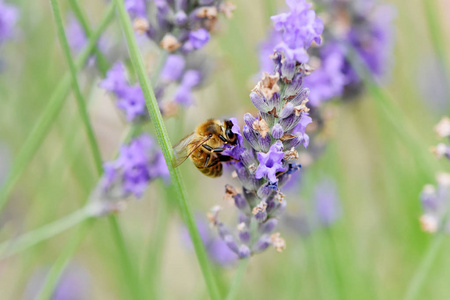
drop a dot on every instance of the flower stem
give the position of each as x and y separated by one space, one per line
166 147
40 131
76 89
237 280
36 236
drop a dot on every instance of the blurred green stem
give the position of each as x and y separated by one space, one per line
76 89
42 128
62 261
421 274
237 280
166 147
36 236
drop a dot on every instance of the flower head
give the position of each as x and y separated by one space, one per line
271 162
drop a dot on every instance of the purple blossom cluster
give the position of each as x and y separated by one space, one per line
435 202
139 162
177 26
443 131
363 25
366 27
9 15
269 157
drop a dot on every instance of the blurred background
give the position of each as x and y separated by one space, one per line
372 248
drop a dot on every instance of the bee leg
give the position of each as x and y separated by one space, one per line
218 150
222 138
220 159
209 148
207 161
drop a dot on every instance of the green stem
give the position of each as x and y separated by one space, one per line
420 275
76 88
62 261
166 147
36 236
102 63
237 280
40 131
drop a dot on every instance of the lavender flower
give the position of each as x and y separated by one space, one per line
436 204
139 162
179 26
9 15
130 97
268 161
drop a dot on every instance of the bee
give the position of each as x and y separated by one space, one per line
205 145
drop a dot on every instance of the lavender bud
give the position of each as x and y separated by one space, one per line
293 143
249 120
268 226
262 244
248 159
287 111
300 97
271 204
244 251
244 236
250 137
288 69
290 122
292 90
261 216
277 131
243 218
275 101
180 18
259 102
280 207
240 202
231 243
265 192
264 142
223 231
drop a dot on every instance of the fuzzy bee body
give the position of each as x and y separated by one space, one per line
205 145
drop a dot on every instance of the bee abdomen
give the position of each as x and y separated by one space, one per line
214 171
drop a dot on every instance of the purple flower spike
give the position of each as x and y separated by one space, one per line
270 163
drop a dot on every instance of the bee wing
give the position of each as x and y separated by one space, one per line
181 149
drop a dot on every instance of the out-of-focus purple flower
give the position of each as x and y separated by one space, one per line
299 28
327 203
76 36
73 285
136 8
270 162
327 81
130 97
191 79
197 39
173 68
9 15
138 163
